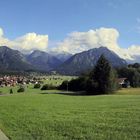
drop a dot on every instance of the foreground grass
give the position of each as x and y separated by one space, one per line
61 117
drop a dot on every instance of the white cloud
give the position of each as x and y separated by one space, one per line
82 41
31 41
3 40
26 43
1 32
134 50
75 42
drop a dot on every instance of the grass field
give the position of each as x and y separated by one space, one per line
57 79
63 117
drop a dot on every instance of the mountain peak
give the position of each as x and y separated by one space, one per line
38 53
2 48
12 60
43 60
103 49
86 60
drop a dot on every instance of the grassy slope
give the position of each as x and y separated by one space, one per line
61 117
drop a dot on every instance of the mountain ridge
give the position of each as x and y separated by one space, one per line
86 60
13 60
43 61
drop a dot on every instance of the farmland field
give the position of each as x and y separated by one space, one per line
63 117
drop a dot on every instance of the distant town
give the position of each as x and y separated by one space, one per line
17 80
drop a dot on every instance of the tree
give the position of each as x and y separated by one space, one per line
101 80
64 85
136 79
103 77
132 74
11 91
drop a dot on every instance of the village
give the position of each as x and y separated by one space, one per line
9 81
19 80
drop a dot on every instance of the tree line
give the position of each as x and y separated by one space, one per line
132 73
103 78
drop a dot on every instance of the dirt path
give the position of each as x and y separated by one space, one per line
3 136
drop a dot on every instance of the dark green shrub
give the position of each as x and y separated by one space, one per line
21 89
63 86
78 84
11 91
37 85
48 87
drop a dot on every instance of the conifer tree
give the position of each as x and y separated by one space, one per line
104 76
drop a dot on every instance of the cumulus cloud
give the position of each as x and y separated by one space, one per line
26 43
134 50
81 41
31 41
3 40
75 42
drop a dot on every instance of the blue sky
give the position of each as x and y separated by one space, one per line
58 18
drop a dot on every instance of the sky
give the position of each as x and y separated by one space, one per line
71 25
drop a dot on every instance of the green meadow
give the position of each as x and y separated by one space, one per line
25 116
57 79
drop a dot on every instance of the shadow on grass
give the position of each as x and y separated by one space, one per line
71 93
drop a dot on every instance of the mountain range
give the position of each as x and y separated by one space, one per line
63 63
86 60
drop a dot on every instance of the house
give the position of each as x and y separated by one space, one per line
123 82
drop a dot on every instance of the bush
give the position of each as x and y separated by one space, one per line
11 91
48 87
21 89
78 84
37 86
63 86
